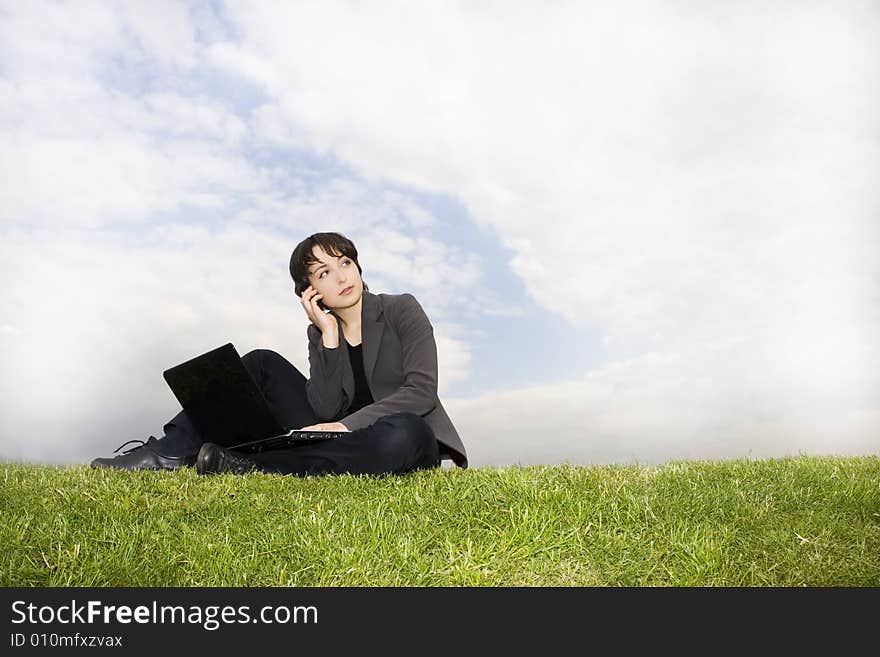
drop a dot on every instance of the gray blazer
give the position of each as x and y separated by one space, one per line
400 363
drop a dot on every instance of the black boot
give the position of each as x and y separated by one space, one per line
213 459
144 457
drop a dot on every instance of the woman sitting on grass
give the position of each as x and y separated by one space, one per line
380 387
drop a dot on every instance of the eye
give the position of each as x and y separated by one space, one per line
324 271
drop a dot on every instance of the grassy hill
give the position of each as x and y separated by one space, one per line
795 521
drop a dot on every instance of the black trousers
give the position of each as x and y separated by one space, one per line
393 444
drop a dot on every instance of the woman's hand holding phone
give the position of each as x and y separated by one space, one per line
324 321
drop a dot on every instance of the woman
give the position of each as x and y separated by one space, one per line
373 375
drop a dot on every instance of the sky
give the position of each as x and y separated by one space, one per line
642 231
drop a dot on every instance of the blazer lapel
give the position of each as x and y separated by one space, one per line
371 333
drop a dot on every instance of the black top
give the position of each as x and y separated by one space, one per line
362 396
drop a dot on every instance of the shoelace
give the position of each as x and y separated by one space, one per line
135 440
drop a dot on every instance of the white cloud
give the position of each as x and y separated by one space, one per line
664 406
79 149
699 186
106 293
46 39
93 321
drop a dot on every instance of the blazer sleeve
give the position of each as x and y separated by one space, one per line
324 387
418 393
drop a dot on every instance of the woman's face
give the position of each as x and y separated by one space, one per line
332 275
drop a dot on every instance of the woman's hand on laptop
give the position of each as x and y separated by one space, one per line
326 426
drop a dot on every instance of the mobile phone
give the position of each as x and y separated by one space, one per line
303 286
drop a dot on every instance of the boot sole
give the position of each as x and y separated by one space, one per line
206 461
108 464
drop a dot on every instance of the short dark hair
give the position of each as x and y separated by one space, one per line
302 258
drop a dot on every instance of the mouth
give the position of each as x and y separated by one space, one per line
347 290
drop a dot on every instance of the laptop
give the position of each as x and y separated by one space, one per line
226 407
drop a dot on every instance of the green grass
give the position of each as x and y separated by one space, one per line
781 522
